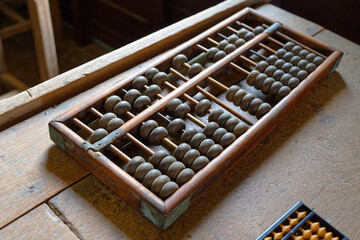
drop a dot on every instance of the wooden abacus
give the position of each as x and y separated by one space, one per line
160 136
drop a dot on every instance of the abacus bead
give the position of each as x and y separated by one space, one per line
242 32
272 59
180 151
295 60
232 39
172 105
150 73
147 128
267 84
199 163
157 134
310 57
239 95
97 135
217 135
214 151
133 164
251 77
152 91
210 129
219 55
174 169
303 53
293 82
188 134
181 110
168 189
178 61
142 170
227 139
104 120
165 163
249 36
278 74
280 53
141 102
285 78
139 83
214 115
202 107
239 42
223 118
269 71
231 92
302 64
205 145
158 183
283 91
287 56
194 70
196 140
244 105
184 176
222 44
294 70
310 67
175 127
114 124
229 48
274 89
288 46
258 30
301 75
211 53
150 177
157 157
286 67
160 78
131 95
190 156
261 66
259 80
231 123
262 110
279 63
318 60
296 49
254 105
121 108
239 129
111 102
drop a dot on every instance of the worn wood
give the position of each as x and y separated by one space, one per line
40 223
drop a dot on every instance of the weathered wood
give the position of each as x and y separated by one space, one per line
40 223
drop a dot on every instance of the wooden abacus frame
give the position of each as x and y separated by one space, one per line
164 213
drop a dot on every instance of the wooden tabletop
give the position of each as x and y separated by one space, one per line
313 156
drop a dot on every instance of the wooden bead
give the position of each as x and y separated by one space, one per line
249 36
217 135
239 95
286 67
194 70
202 107
259 80
104 120
178 61
152 91
199 163
289 45
293 82
285 78
210 129
303 53
262 110
294 70
184 176
261 66
133 164
114 124
227 139
205 145
131 95
157 134
280 53
302 64
142 170
301 75
150 73
231 92
111 102
242 32
231 123
196 140
310 57
295 60
232 39
257 30
272 59
190 156
223 118
278 74
251 77
150 177
168 189
157 157
254 105
147 128
318 60
287 56
269 71
174 169
97 135
310 67
229 48
296 49
158 183
274 89
245 102
181 110
222 44
215 114
180 151
172 105
165 163
121 108
279 63
219 55
268 82
188 134
176 127
141 103
139 83
283 92
239 42
160 78
211 53
214 151
240 128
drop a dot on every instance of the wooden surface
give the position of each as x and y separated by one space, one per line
313 156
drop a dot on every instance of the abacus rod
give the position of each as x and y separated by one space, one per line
140 144
202 47
258 54
188 97
83 126
169 143
222 35
212 40
238 68
218 84
248 60
195 120
269 49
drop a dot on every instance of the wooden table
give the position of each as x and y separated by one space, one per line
313 156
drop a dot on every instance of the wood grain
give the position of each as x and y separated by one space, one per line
41 223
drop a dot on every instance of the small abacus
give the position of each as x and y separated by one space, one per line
159 136
301 223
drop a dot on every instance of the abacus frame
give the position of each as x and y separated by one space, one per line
164 213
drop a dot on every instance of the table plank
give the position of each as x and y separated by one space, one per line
40 223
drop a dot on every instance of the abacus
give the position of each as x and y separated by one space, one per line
161 135
301 223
